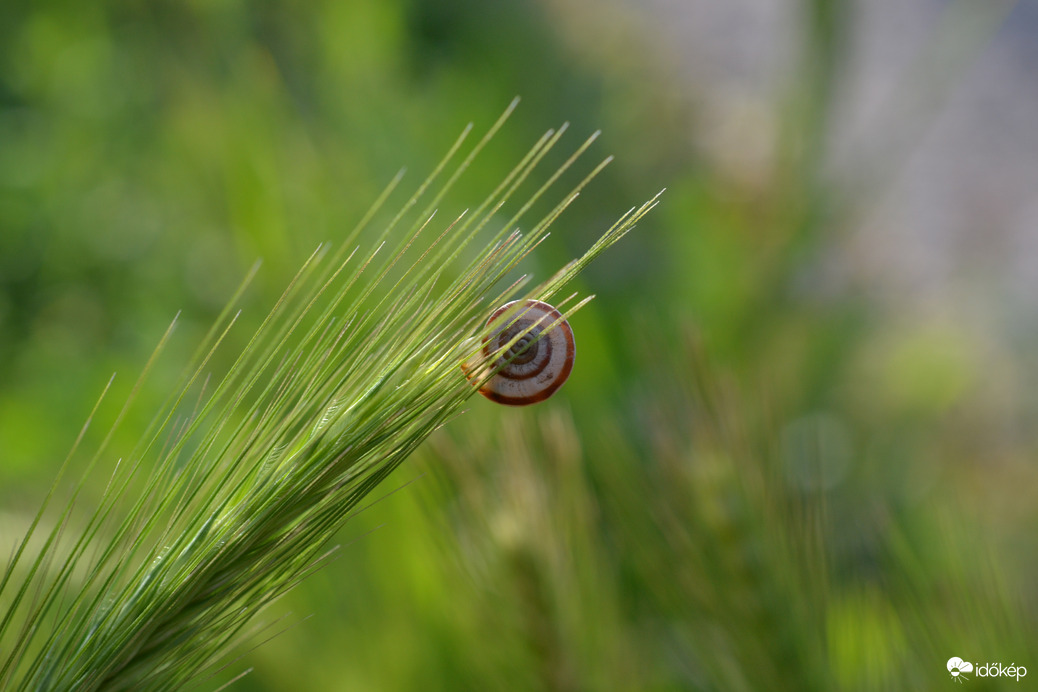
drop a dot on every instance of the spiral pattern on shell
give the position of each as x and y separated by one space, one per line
538 363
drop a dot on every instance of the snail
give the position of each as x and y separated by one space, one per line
537 372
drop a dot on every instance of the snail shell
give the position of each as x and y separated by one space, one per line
534 374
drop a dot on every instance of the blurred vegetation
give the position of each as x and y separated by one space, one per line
755 479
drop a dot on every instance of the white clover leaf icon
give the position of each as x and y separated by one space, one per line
956 666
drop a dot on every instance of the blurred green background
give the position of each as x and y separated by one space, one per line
797 451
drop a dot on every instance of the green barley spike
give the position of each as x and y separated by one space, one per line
236 487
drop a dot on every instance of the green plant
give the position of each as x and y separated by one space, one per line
234 490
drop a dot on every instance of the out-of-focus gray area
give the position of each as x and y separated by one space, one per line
958 213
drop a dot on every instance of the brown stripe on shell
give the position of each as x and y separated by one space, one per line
543 390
